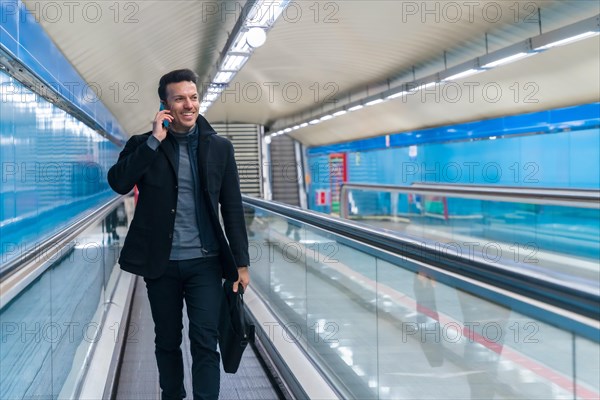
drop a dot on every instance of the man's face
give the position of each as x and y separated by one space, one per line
182 100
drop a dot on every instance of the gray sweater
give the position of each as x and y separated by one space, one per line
187 237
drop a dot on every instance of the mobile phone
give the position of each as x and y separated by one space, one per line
165 122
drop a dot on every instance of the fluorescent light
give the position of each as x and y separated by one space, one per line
396 95
280 6
358 107
233 63
373 102
249 34
507 60
463 74
424 86
314 121
223 77
304 125
568 40
264 13
240 44
286 130
325 117
214 89
211 97
338 113
296 127
261 11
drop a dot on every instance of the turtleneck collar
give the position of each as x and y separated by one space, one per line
191 132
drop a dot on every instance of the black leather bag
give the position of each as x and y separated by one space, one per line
235 331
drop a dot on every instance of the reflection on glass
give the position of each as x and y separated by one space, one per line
557 240
383 330
50 326
587 356
53 169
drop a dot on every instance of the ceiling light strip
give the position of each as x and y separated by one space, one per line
248 33
572 33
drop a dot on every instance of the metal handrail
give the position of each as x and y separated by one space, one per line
579 198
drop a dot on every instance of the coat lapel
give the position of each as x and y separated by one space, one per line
169 148
203 148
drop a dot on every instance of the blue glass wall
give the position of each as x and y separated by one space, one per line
23 39
53 168
47 330
564 155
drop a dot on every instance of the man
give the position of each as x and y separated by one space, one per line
175 241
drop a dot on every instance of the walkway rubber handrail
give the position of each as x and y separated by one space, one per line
51 242
579 198
522 284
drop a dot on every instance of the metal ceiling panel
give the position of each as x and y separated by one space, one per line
548 80
122 48
324 49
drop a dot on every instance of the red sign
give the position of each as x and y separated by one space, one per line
321 197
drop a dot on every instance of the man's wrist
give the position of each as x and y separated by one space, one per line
153 142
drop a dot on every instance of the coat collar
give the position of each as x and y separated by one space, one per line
205 131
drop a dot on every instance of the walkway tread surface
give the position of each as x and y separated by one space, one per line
138 378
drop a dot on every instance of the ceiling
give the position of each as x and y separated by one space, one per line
320 51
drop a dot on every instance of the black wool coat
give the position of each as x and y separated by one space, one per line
148 243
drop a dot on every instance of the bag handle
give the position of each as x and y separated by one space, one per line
240 307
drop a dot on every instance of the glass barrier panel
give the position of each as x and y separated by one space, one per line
53 169
587 367
557 240
341 321
49 329
380 330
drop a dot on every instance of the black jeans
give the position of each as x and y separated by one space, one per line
198 281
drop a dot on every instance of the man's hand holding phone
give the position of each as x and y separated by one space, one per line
161 123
